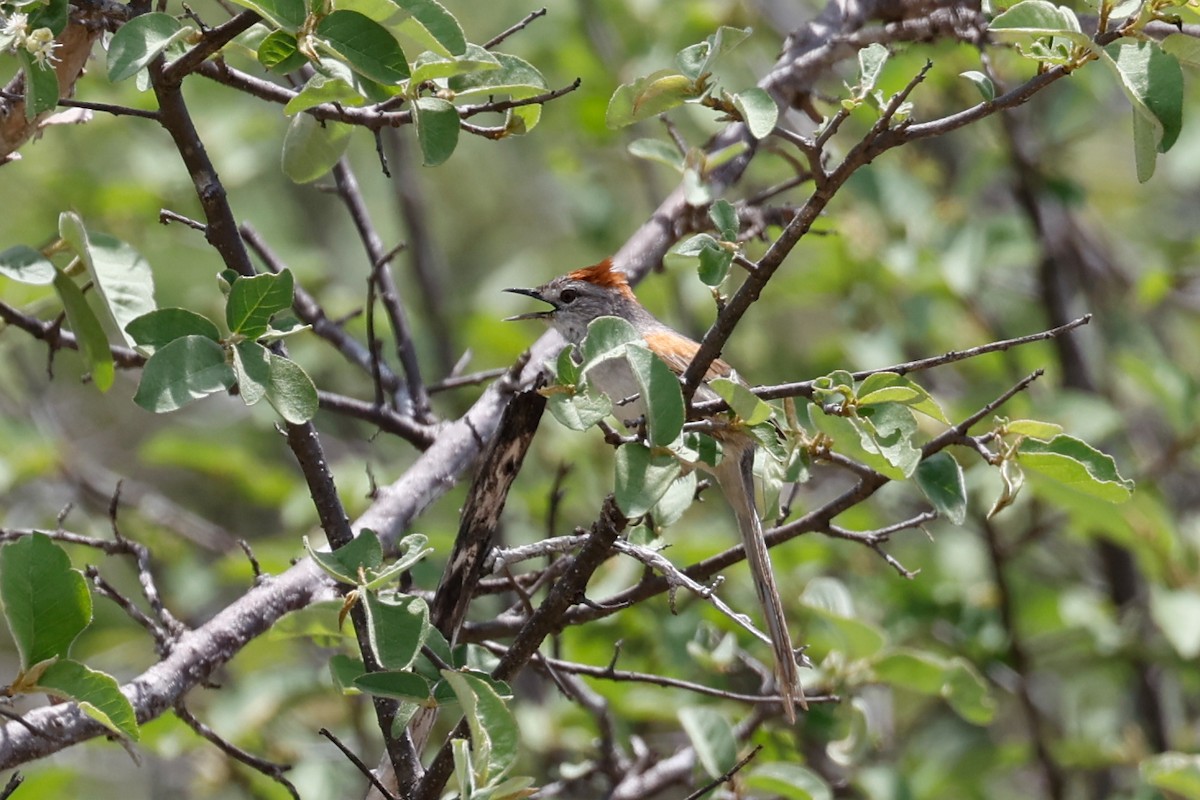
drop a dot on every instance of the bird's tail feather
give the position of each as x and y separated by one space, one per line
736 476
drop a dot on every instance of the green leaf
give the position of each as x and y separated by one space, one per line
365 45
889 387
311 148
649 96
914 670
1177 614
1175 773
395 684
871 60
565 369
286 14
53 15
1034 428
941 479
495 737
1153 82
721 42
162 326
437 129
580 410
987 90
140 40
26 265
967 693
657 150
41 85
642 478
397 627
119 274
955 679
835 626
677 499
1036 17
711 259
278 52
182 371
724 217
888 430
758 111
1146 135
290 391
99 695
362 552
252 365
711 736
93 344
321 88
607 337
430 65
714 265
789 781
434 26
253 301
411 550
517 78
662 395
1076 464
1183 47
46 603
345 670
747 406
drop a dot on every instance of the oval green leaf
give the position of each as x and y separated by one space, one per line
642 478
46 602
140 40
758 111
164 325
941 479
365 45
311 148
1076 464
661 392
98 693
397 628
434 26
120 276
437 129
93 344
253 301
712 738
26 265
181 372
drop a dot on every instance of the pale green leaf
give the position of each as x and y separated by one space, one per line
311 148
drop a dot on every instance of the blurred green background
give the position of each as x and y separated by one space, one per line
924 251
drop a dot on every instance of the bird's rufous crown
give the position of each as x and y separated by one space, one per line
604 275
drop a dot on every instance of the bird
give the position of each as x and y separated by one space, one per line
583 295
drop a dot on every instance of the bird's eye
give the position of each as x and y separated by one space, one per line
568 295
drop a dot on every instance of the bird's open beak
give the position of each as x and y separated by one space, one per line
536 295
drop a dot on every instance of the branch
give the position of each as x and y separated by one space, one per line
818 519
545 620
351 196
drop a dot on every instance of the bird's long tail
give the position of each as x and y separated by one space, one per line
736 476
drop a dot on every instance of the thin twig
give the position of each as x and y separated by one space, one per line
357 762
726 777
520 26
271 769
14 781
609 673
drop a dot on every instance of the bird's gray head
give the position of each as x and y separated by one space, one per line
581 296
